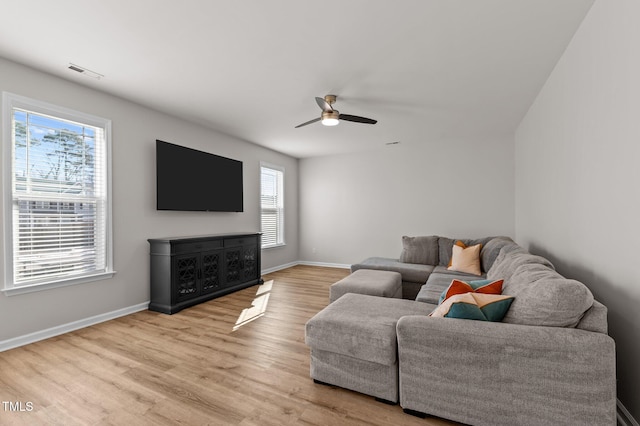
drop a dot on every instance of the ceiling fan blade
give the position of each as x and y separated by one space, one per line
357 119
324 105
308 122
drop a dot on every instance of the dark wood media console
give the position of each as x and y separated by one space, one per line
190 270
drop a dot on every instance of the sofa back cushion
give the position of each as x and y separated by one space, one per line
543 297
491 250
445 247
420 250
510 258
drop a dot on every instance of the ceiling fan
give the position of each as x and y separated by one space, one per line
331 117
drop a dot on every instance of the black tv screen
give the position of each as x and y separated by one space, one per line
192 180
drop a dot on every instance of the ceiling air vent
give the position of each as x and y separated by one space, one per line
85 71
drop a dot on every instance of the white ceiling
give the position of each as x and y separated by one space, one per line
425 69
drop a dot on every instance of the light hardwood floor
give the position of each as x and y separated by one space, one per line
197 367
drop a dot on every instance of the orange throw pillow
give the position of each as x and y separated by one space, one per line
461 287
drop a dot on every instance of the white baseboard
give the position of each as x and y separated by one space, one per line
279 268
65 328
624 417
326 265
306 263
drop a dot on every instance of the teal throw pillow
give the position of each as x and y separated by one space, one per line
474 306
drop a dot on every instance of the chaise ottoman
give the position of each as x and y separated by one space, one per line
353 343
368 281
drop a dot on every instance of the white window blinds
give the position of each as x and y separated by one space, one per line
59 198
272 205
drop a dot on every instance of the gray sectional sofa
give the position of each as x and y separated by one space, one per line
549 362
426 258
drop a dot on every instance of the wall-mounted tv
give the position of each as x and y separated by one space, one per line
192 180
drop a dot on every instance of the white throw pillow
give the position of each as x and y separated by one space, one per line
466 259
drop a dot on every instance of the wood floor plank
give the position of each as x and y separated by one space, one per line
236 360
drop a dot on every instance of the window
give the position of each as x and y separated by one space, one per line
272 205
57 214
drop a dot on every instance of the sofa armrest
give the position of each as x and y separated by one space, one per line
595 318
479 372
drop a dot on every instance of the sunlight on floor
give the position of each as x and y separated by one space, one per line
258 306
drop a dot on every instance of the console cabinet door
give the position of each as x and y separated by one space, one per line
211 267
232 266
186 269
250 262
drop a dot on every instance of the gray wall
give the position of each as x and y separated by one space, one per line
135 218
577 174
359 205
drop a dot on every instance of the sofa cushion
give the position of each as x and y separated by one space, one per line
445 247
491 250
421 250
508 261
438 282
410 272
445 271
466 259
476 286
545 298
457 243
368 281
474 306
361 326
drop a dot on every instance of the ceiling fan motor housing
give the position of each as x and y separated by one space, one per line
330 99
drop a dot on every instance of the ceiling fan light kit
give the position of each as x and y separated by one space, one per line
332 117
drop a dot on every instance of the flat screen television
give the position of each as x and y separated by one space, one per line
192 180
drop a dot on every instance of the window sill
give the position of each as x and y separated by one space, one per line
273 246
14 291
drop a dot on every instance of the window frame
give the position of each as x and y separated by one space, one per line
280 238
11 101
